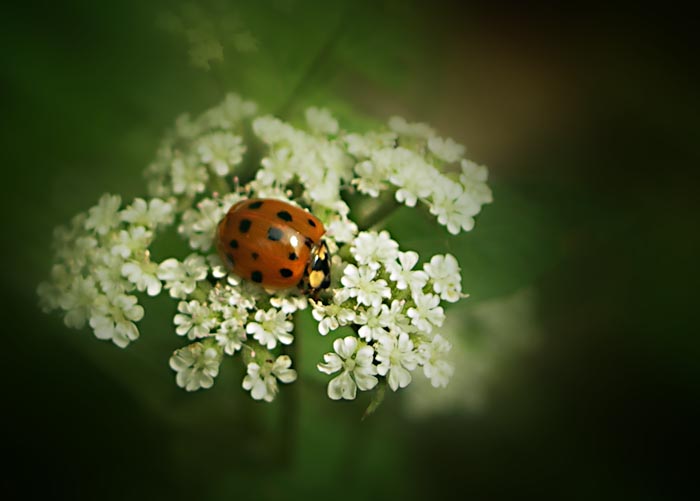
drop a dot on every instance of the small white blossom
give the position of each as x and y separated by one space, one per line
396 358
341 229
113 318
230 340
181 277
289 303
105 215
261 381
199 225
377 323
373 249
150 214
270 327
362 145
427 312
474 179
355 361
402 272
417 130
321 121
445 276
134 241
435 367
220 151
453 207
188 178
331 316
446 149
196 365
106 268
360 283
144 275
77 301
195 320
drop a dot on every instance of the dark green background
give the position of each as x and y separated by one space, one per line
587 118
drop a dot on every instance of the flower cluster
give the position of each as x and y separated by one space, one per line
396 311
391 298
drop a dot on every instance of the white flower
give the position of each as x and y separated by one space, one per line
188 178
194 320
272 130
417 130
181 277
474 179
105 215
360 283
134 241
262 380
453 207
197 365
107 267
331 316
276 168
358 371
445 276
446 149
402 272
149 214
199 225
321 121
113 318
427 312
362 146
228 114
385 321
230 340
396 358
372 249
289 303
435 367
220 151
77 301
271 326
144 275
341 229
371 179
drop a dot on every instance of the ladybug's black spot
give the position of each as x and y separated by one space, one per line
284 215
311 222
256 276
286 272
308 242
274 233
255 205
233 244
293 256
255 255
244 225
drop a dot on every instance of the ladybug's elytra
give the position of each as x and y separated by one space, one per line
274 244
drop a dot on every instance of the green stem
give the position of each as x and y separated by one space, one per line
381 212
289 396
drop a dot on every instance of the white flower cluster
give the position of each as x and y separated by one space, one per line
395 310
194 157
102 259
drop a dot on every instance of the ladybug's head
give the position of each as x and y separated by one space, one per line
318 271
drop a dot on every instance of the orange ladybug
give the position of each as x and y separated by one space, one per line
274 244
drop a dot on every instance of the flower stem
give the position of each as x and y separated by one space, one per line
381 212
289 396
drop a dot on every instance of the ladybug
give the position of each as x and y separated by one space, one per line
274 244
